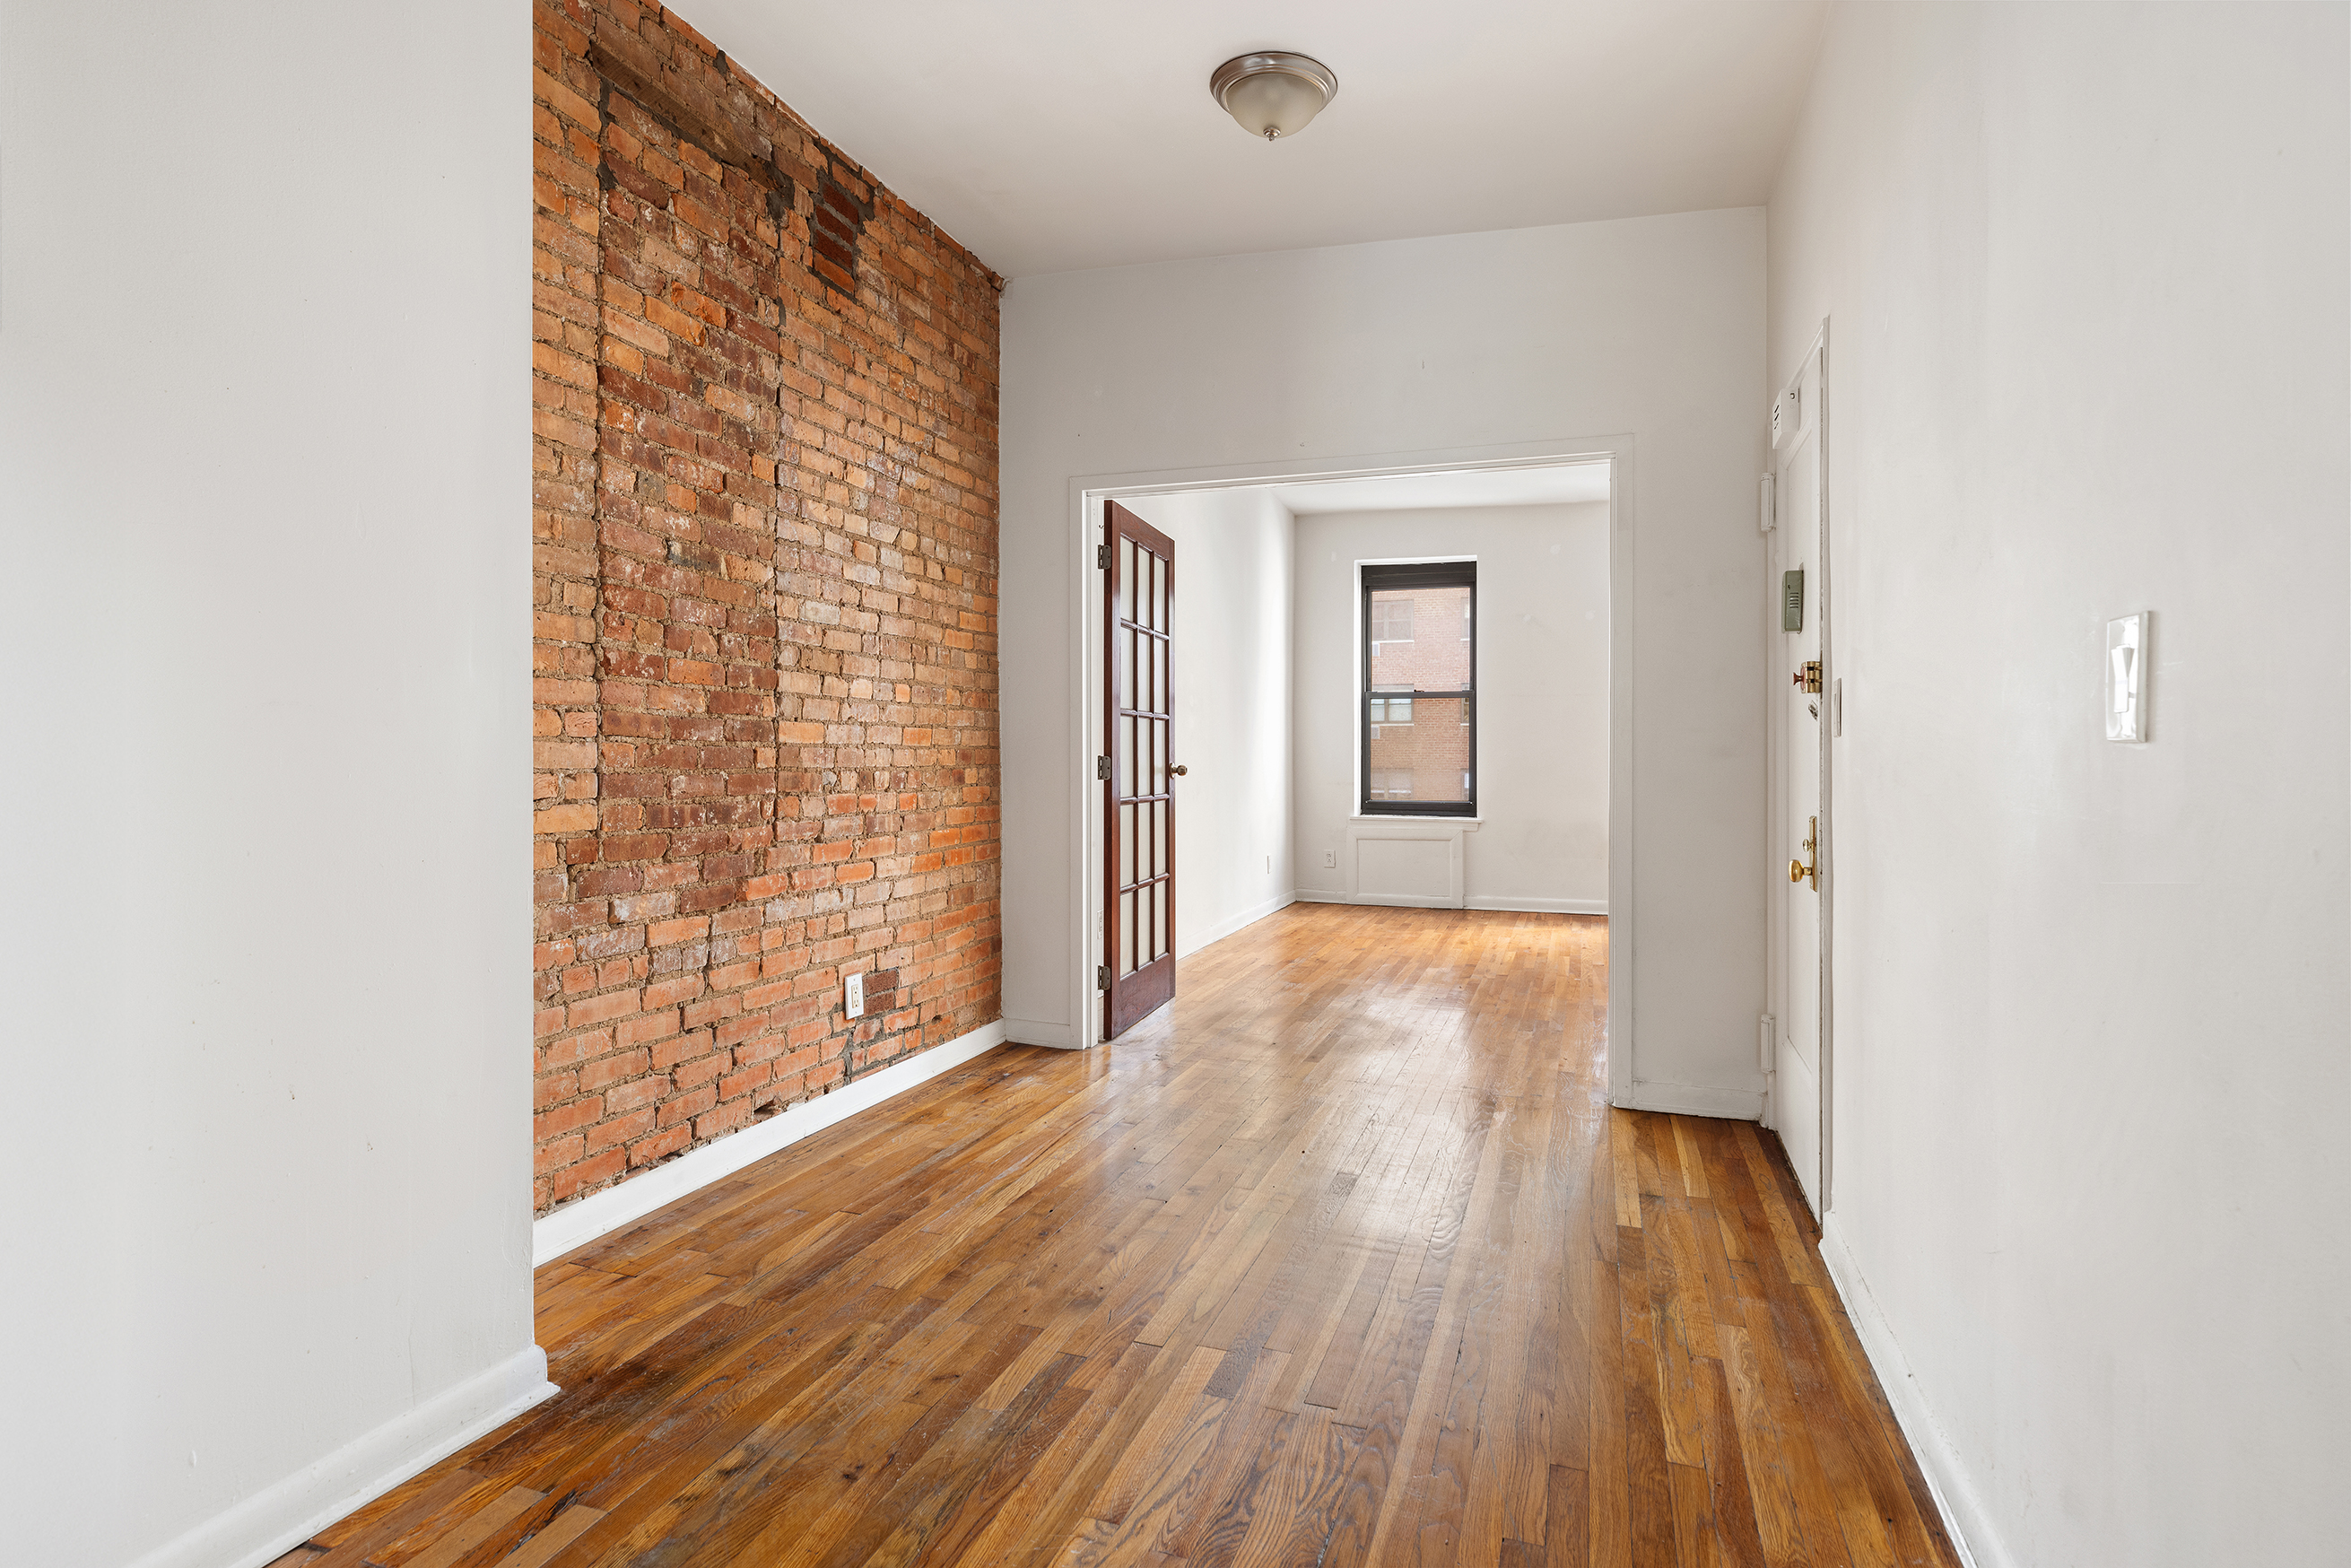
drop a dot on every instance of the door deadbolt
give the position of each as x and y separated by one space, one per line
1797 870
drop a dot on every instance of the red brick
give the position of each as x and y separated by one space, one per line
565 1118
764 597
619 1129
635 1094
600 1010
588 1173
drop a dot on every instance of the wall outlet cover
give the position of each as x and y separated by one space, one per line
853 996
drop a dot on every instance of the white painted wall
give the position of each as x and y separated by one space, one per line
1233 553
1542 693
265 835
1358 355
2087 269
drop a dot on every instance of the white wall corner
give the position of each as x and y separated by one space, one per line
600 1214
281 1516
1965 1518
1235 921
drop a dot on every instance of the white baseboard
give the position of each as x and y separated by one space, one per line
1541 905
281 1516
600 1213
1527 906
1036 1032
1965 1520
1232 923
1379 900
1692 1100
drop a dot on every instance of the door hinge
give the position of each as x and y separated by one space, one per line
1101 557
1101 768
1765 1045
1764 514
1102 977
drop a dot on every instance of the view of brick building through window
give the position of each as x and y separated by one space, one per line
766 605
1419 746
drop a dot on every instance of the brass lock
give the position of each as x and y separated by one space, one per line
1797 870
1808 679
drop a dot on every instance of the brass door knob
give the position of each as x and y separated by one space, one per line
1797 870
1179 769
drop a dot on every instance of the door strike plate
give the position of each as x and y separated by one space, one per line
1808 679
1791 600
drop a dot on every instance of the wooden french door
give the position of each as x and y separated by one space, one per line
1138 971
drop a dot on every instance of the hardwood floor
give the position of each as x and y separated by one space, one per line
1342 1260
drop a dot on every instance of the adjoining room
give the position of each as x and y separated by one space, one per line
1298 766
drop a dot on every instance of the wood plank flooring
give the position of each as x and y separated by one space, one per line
1342 1260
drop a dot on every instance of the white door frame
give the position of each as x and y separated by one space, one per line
1086 494
1780 833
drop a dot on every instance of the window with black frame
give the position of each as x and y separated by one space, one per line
1419 727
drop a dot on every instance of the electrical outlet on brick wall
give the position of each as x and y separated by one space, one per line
872 992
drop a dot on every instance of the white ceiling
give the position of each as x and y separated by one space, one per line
1465 487
1048 135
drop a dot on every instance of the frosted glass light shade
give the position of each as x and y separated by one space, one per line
1274 95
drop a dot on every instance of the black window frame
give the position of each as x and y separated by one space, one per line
1405 575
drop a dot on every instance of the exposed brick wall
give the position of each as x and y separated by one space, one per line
765 602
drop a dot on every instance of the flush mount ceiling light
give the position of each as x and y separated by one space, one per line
1273 94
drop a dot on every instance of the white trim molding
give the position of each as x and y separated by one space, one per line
1691 1100
1523 905
1965 1518
1086 492
1540 905
282 1515
1036 1032
601 1213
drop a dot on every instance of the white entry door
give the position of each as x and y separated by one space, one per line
1799 1088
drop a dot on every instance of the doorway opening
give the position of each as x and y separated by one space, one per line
1299 778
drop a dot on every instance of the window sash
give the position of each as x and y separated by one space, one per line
1380 792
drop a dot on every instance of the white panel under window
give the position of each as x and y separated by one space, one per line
1401 861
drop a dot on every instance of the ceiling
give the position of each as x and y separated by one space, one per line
1048 135
1461 488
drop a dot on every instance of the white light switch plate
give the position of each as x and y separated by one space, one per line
2126 676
